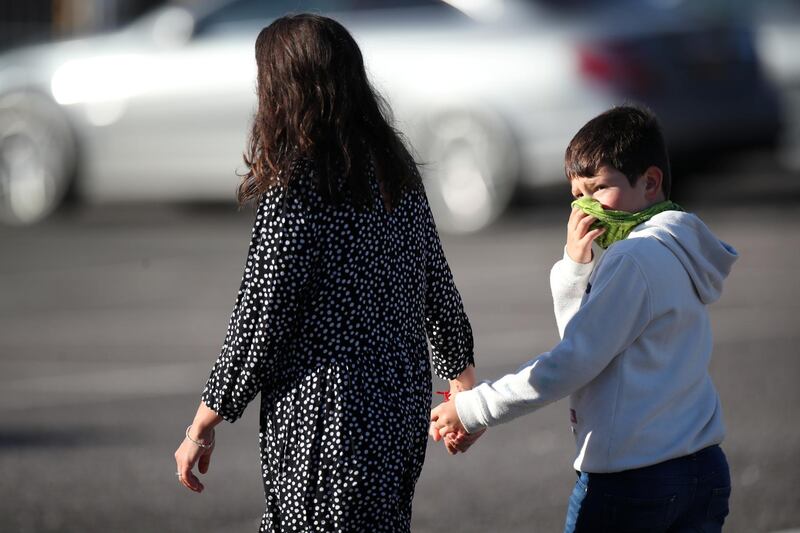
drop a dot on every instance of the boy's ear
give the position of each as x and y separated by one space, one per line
653 178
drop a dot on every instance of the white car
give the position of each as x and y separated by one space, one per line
488 93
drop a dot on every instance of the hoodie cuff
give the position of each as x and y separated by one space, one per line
575 269
471 410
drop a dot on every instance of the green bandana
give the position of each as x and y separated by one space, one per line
618 224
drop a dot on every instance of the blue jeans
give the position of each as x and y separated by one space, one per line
683 495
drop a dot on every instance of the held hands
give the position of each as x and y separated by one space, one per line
445 424
580 236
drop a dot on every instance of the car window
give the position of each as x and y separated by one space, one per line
238 11
260 11
574 4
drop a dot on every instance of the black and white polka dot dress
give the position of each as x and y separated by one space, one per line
330 326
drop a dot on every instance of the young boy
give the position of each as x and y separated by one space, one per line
636 343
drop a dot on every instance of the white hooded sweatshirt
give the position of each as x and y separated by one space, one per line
635 349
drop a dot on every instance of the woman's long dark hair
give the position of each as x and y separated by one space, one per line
315 102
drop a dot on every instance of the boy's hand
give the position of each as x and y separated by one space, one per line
580 237
444 420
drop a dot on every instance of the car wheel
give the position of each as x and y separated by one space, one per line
37 157
470 166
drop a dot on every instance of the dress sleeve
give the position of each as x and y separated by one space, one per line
446 324
280 262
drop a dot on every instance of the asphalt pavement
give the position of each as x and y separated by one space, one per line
111 317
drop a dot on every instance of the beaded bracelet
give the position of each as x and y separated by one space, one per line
200 444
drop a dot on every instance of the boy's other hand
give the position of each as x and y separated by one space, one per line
580 236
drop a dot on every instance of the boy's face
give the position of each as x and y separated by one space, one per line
611 188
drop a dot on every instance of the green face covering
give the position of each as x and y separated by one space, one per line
618 224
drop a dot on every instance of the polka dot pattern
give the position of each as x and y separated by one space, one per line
332 325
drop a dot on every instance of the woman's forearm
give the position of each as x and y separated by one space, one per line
204 421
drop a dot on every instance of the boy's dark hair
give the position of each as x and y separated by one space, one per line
627 138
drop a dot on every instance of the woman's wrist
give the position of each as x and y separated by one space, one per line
202 428
200 434
465 380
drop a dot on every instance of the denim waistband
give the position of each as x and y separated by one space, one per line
698 464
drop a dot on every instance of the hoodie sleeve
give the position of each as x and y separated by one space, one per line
568 282
613 316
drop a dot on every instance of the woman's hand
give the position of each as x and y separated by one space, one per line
188 454
460 442
196 448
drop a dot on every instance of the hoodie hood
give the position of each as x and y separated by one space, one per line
707 259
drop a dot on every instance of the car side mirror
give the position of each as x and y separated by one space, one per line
173 27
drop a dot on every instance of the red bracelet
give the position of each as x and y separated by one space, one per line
445 393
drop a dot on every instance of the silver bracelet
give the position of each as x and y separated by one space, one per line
200 444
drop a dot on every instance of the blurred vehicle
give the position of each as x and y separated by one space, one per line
777 25
488 92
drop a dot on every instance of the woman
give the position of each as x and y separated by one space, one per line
344 277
